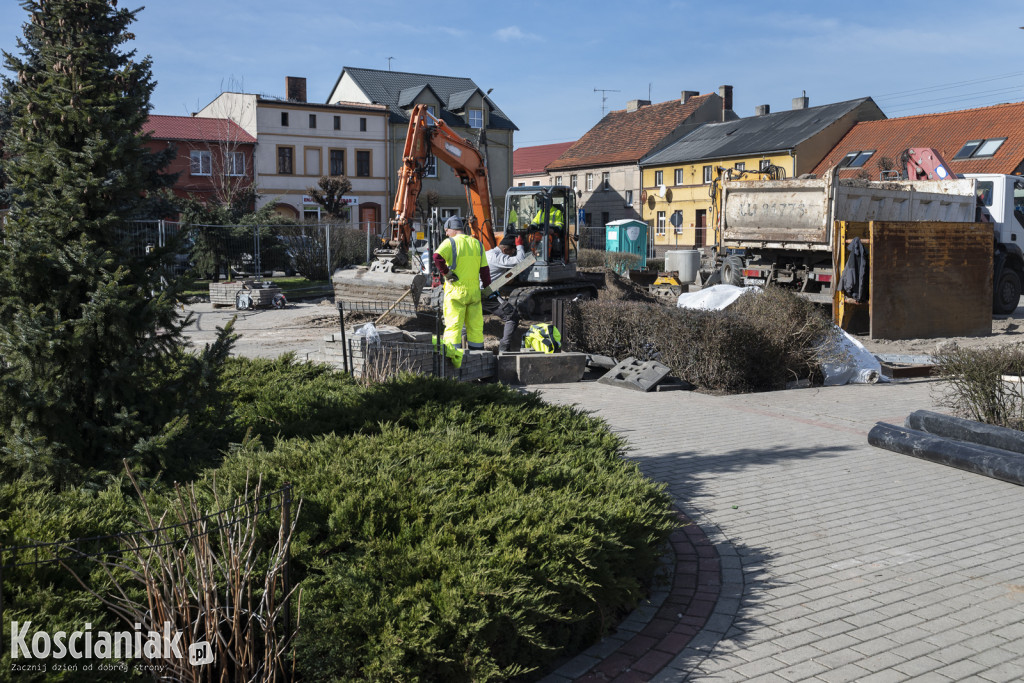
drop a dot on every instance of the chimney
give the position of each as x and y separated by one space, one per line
686 95
725 92
762 109
633 105
295 86
801 102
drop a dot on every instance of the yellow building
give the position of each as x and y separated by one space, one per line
677 180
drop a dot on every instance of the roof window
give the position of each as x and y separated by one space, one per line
856 159
977 149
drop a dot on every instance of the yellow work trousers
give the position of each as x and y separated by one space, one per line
462 308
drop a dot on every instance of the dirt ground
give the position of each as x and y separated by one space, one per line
303 325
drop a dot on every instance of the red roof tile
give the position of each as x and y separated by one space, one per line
195 128
946 132
623 137
530 160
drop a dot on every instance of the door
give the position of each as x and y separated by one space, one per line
369 217
700 238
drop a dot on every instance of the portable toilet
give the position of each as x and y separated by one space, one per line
629 235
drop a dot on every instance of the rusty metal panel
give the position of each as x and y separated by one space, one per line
930 279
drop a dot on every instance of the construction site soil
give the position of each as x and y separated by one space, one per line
303 324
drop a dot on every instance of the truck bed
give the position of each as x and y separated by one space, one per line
799 214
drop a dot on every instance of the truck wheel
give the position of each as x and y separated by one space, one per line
1006 295
732 271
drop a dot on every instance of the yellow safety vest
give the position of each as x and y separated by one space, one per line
465 257
543 337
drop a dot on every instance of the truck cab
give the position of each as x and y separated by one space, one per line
1002 199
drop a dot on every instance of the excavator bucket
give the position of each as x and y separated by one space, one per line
379 281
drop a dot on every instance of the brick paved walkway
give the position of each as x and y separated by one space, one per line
837 561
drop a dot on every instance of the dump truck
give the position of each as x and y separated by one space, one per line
780 232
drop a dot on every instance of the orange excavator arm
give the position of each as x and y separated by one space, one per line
439 140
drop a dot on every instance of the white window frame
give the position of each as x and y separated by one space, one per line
629 197
659 178
476 118
574 181
433 112
558 180
590 182
679 176
200 162
235 163
763 164
708 173
659 225
740 166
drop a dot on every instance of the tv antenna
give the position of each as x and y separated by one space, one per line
389 63
604 97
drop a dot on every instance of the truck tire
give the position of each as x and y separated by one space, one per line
732 271
1006 295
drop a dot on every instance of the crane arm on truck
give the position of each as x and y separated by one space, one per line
924 163
428 136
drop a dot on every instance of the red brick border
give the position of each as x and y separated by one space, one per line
696 585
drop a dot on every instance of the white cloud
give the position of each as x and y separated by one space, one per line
511 33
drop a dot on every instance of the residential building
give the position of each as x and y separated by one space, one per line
603 164
985 140
677 179
457 101
528 165
214 160
298 142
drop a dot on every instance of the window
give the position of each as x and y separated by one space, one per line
336 159
590 182
629 197
707 174
201 162
679 176
763 165
363 164
586 218
337 123
433 115
430 166
605 181
235 163
286 160
976 149
311 161
740 166
284 118
522 184
312 120
536 183
573 182
660 225
659 178
856 159
362 124
476 118
558 180
605 218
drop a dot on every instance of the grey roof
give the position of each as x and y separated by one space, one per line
458 100
393 89
409 95
778 132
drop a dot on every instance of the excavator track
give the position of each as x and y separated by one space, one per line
533 301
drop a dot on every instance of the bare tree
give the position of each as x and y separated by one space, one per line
330 192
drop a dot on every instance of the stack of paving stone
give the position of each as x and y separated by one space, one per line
401 351
224 293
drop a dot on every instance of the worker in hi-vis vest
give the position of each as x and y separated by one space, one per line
460 259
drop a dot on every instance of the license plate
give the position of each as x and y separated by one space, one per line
759 281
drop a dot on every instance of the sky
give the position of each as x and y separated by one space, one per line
548 61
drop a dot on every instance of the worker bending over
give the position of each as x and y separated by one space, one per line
461 261
506 255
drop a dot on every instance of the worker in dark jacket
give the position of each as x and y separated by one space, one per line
506 255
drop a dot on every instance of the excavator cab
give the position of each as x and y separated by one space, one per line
546 217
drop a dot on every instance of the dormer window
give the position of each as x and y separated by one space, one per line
476 118
978 149
433 113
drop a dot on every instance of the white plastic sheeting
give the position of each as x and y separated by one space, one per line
852 363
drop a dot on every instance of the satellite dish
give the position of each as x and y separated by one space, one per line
643 196
661 191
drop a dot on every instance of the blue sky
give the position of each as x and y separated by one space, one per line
544 59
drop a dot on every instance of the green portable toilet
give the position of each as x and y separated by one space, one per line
629 235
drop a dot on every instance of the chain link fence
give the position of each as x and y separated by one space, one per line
223 252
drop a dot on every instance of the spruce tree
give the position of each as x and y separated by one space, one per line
85 333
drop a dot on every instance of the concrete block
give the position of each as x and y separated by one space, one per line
549 368
508 368
598 361
633 374
417 337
